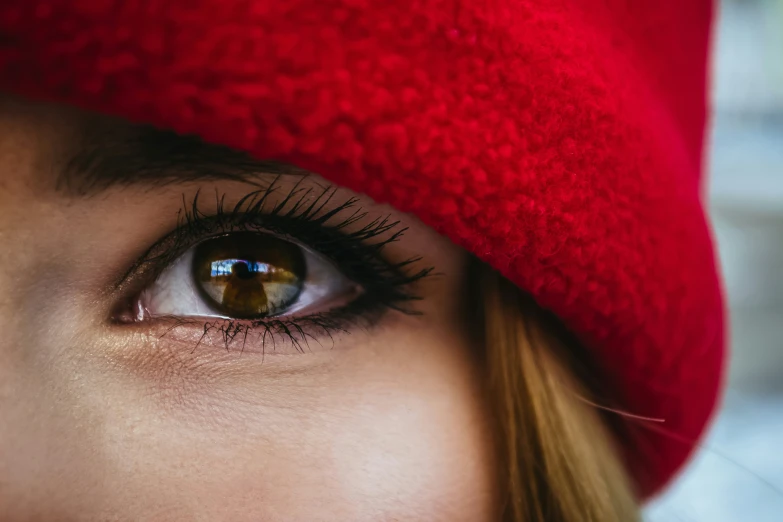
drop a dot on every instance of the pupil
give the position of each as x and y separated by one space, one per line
242 271
247 275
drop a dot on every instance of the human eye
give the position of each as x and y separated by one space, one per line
297 267
247 275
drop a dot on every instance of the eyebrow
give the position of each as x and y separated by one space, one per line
107 157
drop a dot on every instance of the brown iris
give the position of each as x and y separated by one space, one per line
247 275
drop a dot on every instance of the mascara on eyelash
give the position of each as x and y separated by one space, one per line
302 216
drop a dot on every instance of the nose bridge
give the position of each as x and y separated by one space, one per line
15 250
9 236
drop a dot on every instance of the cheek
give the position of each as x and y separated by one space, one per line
392 426
387 440
391 435
417 444
415 457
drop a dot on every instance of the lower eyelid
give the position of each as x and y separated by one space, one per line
176 368
273 337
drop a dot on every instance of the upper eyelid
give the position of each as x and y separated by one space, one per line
249 211
187 217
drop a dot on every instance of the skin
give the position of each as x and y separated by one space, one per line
108 421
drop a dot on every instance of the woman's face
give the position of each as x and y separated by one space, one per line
168 356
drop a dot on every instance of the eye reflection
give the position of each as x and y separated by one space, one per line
249 275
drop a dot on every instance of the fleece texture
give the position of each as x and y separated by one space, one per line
560 141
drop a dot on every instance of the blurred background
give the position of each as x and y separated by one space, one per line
738 473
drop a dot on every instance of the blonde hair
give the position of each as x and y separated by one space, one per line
560 461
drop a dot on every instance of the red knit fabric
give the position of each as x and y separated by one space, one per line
560 141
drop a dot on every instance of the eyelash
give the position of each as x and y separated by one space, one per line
300 217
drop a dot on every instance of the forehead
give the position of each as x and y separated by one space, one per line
51 148
34 139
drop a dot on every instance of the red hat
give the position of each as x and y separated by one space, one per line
559 141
